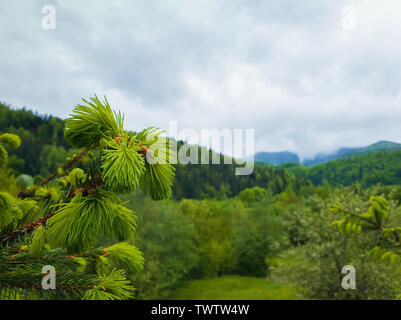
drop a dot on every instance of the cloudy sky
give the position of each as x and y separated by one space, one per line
309 76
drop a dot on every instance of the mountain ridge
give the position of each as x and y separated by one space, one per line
282 157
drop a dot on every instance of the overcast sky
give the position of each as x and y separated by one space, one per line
300 73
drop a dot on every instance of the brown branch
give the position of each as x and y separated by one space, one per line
59 287
25 229
393 235
97 182
69 164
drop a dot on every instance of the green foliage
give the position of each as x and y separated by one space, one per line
159 175
36 133
232 287
53 157
6 213
38 242
24 181
77 178
8 181
122 165
220 182
196 239
114 286
3 156
257 233
125 256
213 223
10 140
387 245
369 169
314 262
19 212
157 180
92 122
252 195
167 239
77 224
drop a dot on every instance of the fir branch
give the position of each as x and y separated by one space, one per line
91 123
89 208
70 285
67 165
24 230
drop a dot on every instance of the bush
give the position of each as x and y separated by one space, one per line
213 223
24 180
167 239
319 252
257 232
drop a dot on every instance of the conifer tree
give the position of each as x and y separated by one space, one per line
386 245
59 221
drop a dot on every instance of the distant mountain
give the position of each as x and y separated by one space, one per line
276 158
368 169
376 147
352 152
326 157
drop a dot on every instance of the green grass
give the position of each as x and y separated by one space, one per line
233 288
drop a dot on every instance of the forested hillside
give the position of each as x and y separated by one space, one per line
285 157
220 181
43 146
375 147
44 149
368 169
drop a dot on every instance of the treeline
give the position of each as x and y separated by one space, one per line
287 237
196 239
44 149
43 146
220 181
378 167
